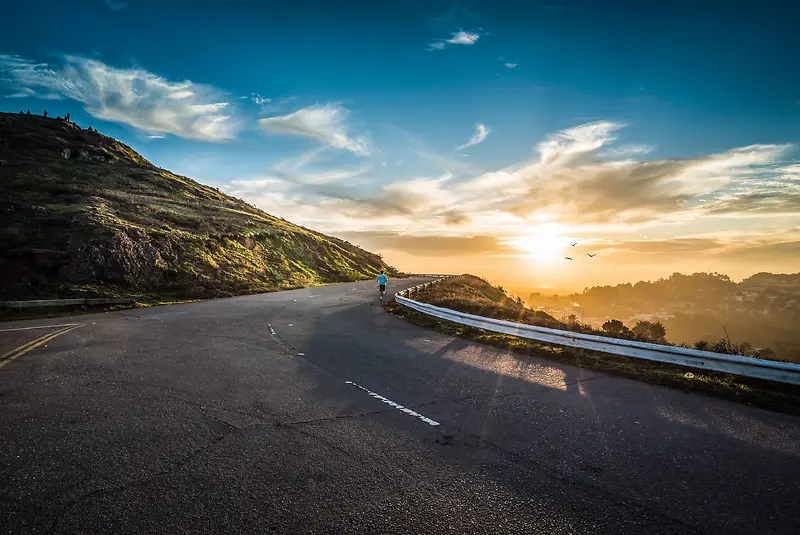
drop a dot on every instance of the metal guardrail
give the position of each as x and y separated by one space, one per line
66 302
782 372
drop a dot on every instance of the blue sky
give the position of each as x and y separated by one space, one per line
344 116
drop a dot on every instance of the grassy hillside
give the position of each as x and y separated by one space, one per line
105 221
474 295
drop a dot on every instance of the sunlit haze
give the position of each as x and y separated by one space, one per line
455 136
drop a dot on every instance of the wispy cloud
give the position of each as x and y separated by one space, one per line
511 65
575 181
21 92
115 5
264 102
434 246
478 137
457 38
155 137
626 151
256 98
767 248
326 123
129 96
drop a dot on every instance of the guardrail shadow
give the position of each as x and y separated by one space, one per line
611 439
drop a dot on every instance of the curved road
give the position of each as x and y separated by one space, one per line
315 411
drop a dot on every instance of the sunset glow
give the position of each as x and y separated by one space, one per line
546 245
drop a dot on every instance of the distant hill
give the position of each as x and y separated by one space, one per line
763 310
83 214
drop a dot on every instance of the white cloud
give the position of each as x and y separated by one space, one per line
325 123
115 5
155 137
130 96
565 146
480 134
511 65
791 172
463 38
457 38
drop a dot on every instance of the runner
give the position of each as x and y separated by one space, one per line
382 278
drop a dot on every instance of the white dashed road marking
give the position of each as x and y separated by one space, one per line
393 404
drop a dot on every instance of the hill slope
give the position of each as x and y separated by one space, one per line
102 220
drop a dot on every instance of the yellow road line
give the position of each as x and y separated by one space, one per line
38 327
16 353
23 346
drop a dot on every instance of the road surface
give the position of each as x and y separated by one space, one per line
315 411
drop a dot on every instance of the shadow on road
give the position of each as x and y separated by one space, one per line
629 448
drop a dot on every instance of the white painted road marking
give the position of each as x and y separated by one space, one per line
271 330
395 405
38 327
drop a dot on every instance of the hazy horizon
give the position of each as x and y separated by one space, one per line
455 137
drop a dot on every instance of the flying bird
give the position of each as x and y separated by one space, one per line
568 258
591 255
574 244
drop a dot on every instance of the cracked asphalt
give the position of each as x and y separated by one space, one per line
236 416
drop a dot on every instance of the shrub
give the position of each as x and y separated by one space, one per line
650 331
616 328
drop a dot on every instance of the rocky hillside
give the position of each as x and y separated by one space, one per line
83 214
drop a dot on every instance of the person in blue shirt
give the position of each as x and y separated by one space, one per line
382 278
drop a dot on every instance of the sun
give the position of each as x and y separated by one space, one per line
545 244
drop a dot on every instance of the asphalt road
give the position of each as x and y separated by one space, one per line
315 411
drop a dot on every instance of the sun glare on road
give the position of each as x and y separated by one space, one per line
545 244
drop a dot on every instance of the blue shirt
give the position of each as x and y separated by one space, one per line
382 279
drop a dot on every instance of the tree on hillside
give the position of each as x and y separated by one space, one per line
616 328
650 331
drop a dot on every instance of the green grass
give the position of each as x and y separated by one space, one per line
475 296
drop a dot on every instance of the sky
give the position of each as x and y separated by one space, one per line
482 137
